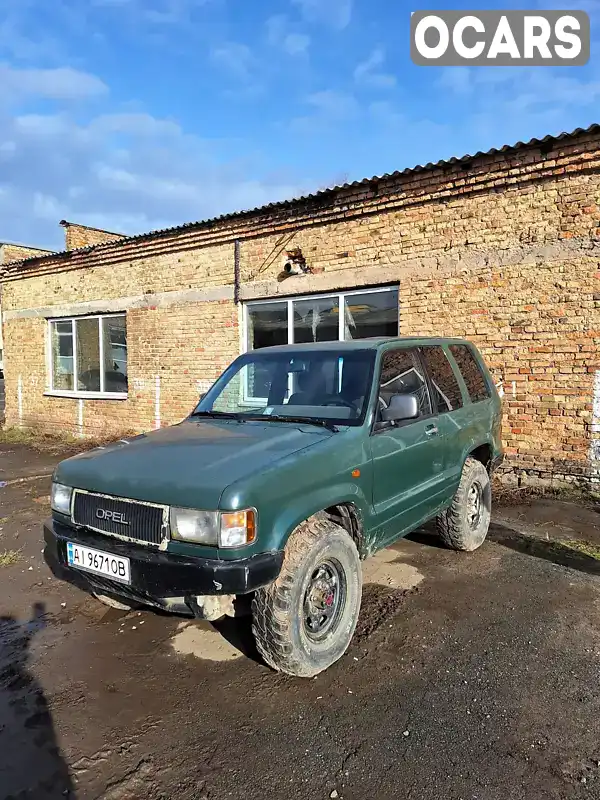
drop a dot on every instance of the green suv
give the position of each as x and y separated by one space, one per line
299 462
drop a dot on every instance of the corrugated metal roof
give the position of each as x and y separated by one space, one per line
285 204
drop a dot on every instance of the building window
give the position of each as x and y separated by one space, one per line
322 318
89 356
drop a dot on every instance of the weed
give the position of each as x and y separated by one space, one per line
9 557
591 550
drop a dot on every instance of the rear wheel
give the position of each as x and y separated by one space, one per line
464 525
304 621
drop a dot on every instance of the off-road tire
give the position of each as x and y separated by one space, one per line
278 609
452 524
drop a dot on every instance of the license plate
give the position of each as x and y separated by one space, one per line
114 567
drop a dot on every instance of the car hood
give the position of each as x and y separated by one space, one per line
189 464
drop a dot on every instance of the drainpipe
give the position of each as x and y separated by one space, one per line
236 271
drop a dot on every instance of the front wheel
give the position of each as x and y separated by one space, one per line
464 525
304 621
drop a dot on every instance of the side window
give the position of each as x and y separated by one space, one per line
446 391
402 373
471 372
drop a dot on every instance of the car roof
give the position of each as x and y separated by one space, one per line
373 343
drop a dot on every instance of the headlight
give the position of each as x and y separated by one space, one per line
60 500
221 529
201 527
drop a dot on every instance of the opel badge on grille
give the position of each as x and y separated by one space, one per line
114 516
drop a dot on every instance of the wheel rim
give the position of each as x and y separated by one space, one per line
475 505
324 600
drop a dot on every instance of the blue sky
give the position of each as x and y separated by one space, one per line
133 115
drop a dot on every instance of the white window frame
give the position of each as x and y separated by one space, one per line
341 298
245 398
79 393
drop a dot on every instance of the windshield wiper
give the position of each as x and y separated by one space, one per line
323 423
217 415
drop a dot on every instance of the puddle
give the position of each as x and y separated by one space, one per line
385 568
203 642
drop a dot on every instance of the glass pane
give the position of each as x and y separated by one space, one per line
115 354
402 373
371 314
316 320
330 384
447 395
471 372
267 325
88 355
62 355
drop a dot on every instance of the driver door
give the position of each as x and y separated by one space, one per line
406 455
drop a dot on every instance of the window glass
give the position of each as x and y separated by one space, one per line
330 385
114 331
267 325
316 320
402 373
371 314
447 395
62 355
88 355
76 354
471 372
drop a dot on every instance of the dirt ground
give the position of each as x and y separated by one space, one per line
471 677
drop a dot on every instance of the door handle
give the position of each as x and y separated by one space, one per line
431 430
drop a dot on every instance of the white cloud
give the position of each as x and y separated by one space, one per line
368 72
137 124
237 59
152 175
62 83
335 105
158 12
457 79
329 108
296 44
334 13
280 33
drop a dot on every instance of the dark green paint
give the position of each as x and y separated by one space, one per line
290 471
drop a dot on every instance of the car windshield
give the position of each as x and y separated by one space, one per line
322 385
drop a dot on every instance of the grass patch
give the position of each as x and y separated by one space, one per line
53 443
32 438
504 495
591 550
9 557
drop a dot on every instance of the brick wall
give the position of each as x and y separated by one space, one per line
502 249
84 236
538 325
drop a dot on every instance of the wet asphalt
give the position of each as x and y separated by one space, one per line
470 677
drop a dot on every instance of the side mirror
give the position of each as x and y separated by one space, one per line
401 407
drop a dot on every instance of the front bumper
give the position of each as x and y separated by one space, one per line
157 576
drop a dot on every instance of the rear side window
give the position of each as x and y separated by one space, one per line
446 391
471 372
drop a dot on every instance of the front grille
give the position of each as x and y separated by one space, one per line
121 517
